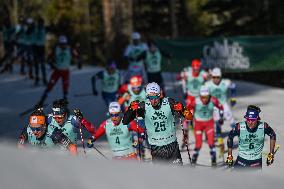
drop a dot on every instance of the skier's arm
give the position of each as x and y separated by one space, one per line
230 142
89 126
122 89
142 56
133 126
131 114
98 75
270 132
165 53
100 131
233 90
22 138
217 103
51 58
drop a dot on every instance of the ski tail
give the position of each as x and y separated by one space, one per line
30 110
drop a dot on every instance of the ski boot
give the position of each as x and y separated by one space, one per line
194 157
213 163
213 156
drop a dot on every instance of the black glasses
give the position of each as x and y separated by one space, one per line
36 129
115 115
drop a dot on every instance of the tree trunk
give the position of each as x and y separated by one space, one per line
173 18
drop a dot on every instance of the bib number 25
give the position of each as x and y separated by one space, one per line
160 126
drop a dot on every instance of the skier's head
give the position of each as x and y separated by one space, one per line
115 113
62 41
136 38
153 92
204 94
60 111
252 115
111 66
37 123
136 84
216 75
152 46
196 65
40 22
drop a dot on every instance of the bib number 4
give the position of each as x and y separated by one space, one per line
117 140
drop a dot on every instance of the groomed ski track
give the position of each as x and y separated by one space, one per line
55 170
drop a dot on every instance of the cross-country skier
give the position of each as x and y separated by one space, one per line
192 79
129 93
118 134
29 42
218 88
60 61
110 82
62 119
203 108
135 54
251 134
39 51
132 91
153 62
159 115
8 31
38 134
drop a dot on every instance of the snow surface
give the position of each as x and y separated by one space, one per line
31 169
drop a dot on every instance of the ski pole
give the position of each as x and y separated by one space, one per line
277 148
82 139
137 123
100 152
187 149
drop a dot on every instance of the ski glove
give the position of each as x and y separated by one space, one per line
90 142
230 160
78 113
135 144
134 105
178 107
233 102
270 159
59 138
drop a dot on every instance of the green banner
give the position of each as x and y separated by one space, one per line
241 53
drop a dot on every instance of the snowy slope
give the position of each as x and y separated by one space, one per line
17 94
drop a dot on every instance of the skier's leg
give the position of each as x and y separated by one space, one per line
41 57
65 82
210 140
198 130
36 66
29 60
53 79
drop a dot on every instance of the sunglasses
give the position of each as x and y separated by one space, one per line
58 117
115 115
136 88
153 97
36 129
216 77
251 120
